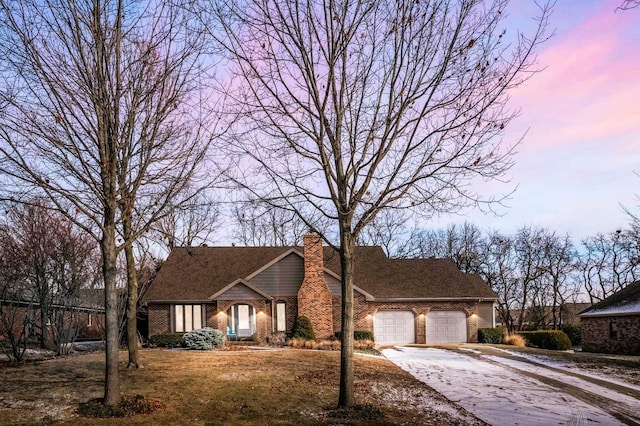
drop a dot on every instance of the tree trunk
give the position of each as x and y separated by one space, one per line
347 244
109 255
132 296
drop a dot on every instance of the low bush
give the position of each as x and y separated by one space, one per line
329 345
574 332
297 343
364 344
278 338
166 340
515 340
555 340
358 335
302 329
491 335
203 339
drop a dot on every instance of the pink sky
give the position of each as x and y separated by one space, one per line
578 161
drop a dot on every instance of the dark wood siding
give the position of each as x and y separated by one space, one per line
240 292
334 285
282 278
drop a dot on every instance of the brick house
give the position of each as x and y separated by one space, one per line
22 318
613 325
257 291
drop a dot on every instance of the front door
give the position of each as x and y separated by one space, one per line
242 320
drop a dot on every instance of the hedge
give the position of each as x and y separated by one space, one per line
574 332
166 340
491 335
358 335
547 339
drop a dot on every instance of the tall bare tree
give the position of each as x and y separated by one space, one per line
259 224
345 108
102 114
609 262
49 261
191 223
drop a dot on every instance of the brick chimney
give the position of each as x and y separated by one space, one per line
314 296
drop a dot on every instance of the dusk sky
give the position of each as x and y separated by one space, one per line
578 162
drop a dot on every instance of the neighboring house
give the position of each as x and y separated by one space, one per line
613 325
22 317
258 291
542 317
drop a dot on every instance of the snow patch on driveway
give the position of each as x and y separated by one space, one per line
494 393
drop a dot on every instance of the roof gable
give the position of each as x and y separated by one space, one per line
239 290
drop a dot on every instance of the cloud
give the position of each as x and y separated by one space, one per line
590 87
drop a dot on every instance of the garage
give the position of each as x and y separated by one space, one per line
394 327
446 327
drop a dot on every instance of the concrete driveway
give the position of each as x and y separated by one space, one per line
503 388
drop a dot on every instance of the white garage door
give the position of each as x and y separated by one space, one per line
446 327
394 327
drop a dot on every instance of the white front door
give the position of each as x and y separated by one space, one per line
242 320
446 327
394 327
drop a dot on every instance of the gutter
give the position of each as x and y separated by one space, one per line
434 299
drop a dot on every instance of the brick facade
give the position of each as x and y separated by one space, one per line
314 296
613 334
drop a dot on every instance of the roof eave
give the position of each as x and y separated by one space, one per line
434 299
608 314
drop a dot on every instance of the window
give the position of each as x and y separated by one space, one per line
281 316
613 330
88 320
188 317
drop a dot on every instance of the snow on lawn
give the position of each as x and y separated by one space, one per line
493 393
571 367
570 380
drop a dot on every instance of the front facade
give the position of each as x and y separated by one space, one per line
254 292
613 325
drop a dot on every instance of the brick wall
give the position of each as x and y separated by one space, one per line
314 296
619 335
159 319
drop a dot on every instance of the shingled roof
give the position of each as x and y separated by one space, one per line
195 273
623 302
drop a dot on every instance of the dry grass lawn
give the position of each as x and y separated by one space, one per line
222 387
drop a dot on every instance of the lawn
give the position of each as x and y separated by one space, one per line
224 387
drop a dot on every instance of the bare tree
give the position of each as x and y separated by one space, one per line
192 223
629 4
559 258
259 224
50 262
347 108
609 262
101 114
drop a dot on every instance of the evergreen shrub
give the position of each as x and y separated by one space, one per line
555 340
491 335
203 339
358 335
574 332
302 329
